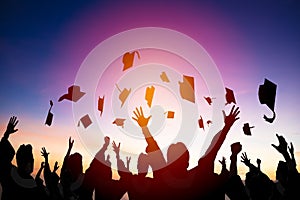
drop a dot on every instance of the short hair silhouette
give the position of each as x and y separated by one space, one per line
24 157
75 165
178 156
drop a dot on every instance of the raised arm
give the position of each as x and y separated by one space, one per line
247 162
122 170
156 157
38 179
47 171
235 150
218 139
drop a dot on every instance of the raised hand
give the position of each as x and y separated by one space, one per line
11 126
258 161
107 161
116 149
42 165
236 148
223 162
45 153
55 167
128 158
140 118
282 147
232 117
71 143
245 159
291 149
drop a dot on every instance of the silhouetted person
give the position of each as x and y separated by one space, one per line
287 175
138 186
51 178
176 182
258 184
17 182
234 186
98 178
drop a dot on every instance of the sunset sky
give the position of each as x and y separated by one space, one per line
43 46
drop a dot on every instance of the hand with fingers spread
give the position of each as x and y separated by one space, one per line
282 147
140 118
10 129
128 158
245 159
116 149
45 153
55 167
232 117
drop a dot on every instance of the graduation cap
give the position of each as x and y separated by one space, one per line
100 104
246 129
229 96
119 122
170 114
128 59
200 123
164 77
149 95
49 115
187 88
74 94
209 100
267 94
123 94
209 122
236 147
85 121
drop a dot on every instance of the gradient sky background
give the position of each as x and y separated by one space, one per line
42 45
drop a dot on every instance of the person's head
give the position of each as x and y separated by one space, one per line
178 157
281 172
75 165
25 160
142 164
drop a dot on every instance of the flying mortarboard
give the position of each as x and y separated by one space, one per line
123 94
74 94
100 104
209 122
85 120
187 88
49 118
209 100
229 96
170 114
246 129
267 94
149 95
200 123
119 122
164 77
128 59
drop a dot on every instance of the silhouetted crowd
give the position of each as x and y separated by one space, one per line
171 177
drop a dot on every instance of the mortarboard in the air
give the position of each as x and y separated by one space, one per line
128 59
229 96
186 88
74 94
149 95
170 114
247 129
123 94
164 77
200 123
209 122
85 120
100 104
119 122
209 100
49 118
266 95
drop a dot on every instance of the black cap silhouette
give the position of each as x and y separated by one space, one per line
266 95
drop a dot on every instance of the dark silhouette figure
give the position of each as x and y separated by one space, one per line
138 186
175 181
258 184
288 178
51 178
17 182
98 178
